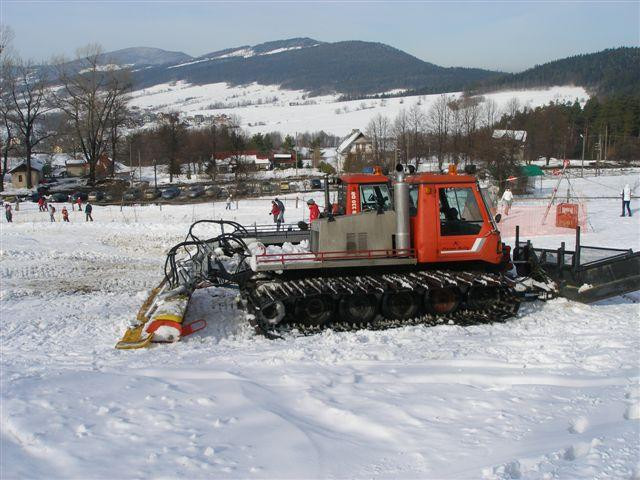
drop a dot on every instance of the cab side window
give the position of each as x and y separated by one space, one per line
413 200
459 212
372 195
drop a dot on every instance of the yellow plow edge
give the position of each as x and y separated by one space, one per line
133 338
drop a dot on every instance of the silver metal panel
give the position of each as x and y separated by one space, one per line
401 205
362 231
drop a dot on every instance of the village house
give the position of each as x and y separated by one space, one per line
19 173
354 147
283 160
77 167
251 159
513 140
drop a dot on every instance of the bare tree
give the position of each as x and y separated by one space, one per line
172 134
401 134
417 121
378 131
117 121
89 95
489 113
439 121
6 112
29 100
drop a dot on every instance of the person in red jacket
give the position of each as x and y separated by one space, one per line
275 211
79 202
314 210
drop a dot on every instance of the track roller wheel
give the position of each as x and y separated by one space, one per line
359 307
314 311
441 301
480 297
400 305
273 313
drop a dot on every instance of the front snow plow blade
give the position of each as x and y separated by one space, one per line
586 274
159 319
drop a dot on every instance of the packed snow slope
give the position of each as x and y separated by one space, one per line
270 108
553 393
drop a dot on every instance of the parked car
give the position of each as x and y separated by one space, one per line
151 194
96 196
267 188
131 194
108 197
212 190
171 192
195 191
59 197
316 184
81 195
284 186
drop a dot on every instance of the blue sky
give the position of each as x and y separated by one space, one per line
509 36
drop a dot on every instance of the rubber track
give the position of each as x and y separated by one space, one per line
263 294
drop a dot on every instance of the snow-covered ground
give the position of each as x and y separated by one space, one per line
269 108
553 393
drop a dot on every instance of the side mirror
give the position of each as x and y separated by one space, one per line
498 217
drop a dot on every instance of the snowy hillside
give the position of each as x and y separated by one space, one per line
552 394
269 108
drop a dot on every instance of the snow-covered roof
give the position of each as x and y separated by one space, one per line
76 162
346 143
519 135
281 155
36 164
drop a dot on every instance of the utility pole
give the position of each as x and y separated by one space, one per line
155 174
139 166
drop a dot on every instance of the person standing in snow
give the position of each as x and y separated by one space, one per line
314 210
65 214
626 199
41 204
7 212
507 200
229 200
79 203
88 208
45 204
275 211
52 212
281 208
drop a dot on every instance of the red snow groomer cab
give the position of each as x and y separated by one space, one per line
360 192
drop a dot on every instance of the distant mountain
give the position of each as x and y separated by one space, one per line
352 68
145 56
611 71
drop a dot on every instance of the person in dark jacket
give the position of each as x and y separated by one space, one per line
52 212
7 212
88 208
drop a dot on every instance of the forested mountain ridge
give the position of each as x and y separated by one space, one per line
610 71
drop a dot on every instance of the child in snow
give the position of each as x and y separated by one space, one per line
52 212
79 203
229 199
87 210
314 210
275 211
626 199
507 200
65 214
7 212
41 204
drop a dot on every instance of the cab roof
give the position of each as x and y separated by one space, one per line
364 178
433 178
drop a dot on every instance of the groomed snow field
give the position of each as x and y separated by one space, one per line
552 394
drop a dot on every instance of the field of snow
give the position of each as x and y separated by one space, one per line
269 108
553 393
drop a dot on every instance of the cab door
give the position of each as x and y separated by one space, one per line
463 225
